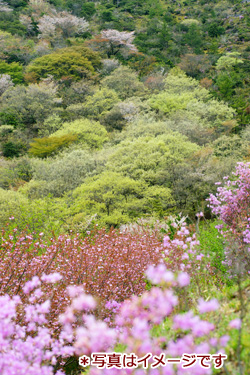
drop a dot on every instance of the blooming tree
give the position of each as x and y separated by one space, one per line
5 82
26 21
4 7
61 24
113 41
119 38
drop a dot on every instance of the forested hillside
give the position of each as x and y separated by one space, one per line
119 122
111 111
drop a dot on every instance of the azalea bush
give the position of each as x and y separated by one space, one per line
110 265
139 317
231 204
30 348
144 300
27 344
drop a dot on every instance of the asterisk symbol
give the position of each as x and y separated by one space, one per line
84 361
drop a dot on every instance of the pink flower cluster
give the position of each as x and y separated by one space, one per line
28 347
184 247
57 316
26 344
138 316
110 265
231 204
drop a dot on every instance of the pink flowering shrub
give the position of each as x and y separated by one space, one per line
184 247
110 266
231 204
26 344
135 321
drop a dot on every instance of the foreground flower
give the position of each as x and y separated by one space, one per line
236 323
183 279
208 306
27 345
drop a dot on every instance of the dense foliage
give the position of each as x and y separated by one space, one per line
99 77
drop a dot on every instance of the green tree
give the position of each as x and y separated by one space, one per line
179 91
14 70
228 61
62 173
65 65
116 199
88 10
86 52
215 30
226 85
96 105
90 133
151 159
228 78
27 107
11 149
194 38
183 97
9 21
125 82
40 215
43 147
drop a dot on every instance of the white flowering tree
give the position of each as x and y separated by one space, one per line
113 41
61 24
4 7
5 82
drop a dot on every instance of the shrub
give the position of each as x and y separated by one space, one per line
29 346
212 245
67 65
43 147
89 133
11 149
231 205
14 70
137 321
81 334
110 265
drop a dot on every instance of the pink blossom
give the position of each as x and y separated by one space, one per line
32 284
224 340
208 306
183 279
52 278
84 302
236 323
159 274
